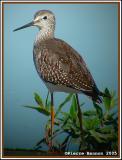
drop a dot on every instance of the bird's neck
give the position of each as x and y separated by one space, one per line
44 34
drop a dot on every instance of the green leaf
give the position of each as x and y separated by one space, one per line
91 123
66 129
47 97
104 137
39 109
114 100
111 122
67 99
56 122
48 105
105 129
113 114
60 119
108 117
73 108
38 99
97 136
110 102
107 100
65 120
65 114
89 113
98 110
64 143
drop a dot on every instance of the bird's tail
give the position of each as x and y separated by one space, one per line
100 96
98 99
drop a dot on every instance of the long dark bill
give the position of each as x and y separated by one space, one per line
25 26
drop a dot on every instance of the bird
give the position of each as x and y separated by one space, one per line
58 64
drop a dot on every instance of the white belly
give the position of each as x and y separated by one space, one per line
60 88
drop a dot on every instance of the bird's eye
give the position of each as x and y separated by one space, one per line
45 17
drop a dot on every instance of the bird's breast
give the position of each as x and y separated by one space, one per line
45 62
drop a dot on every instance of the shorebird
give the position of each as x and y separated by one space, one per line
60 66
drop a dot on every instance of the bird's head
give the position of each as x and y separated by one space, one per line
43 19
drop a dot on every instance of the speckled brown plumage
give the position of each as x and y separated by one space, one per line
58 63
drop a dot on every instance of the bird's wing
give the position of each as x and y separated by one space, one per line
63 65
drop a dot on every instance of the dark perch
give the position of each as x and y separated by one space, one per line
29 152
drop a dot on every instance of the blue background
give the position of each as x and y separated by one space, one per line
90 28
